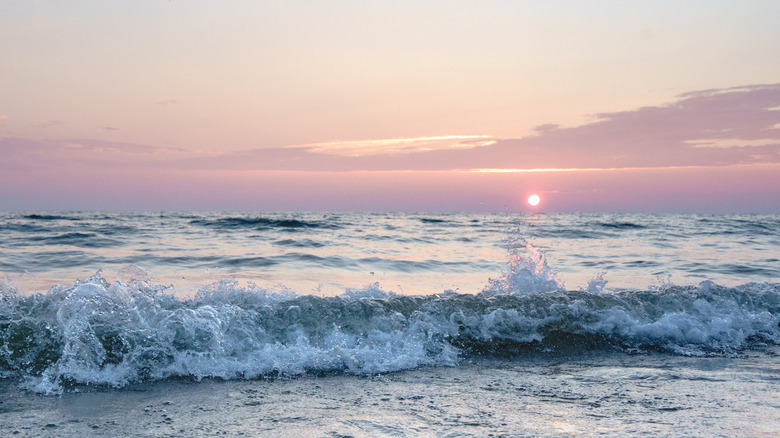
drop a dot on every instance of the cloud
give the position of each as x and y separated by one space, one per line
78 154
133 149
712 150
668 135
698 129
547 127
108 128
710 128
3 116
725 143
362 148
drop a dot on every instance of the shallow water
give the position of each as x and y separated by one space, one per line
588 394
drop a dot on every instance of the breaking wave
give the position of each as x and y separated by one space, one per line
260 223
96 333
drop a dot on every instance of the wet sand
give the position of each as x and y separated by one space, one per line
587 395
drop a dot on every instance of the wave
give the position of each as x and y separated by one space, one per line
50 217
619 225
84 240
427 220
260 223
303 243
96 333
13 227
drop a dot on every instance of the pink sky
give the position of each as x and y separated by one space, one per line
710 151
441 107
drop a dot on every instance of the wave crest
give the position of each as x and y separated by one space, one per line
93 332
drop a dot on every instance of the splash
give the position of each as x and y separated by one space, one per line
528 271
597 284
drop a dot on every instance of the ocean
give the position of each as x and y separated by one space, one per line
389 324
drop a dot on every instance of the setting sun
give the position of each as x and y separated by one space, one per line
534 200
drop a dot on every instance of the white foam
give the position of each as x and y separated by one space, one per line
528 272
115 334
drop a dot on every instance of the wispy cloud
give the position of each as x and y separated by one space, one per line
585 169
362 148
140 150
108 128
726 143
78 154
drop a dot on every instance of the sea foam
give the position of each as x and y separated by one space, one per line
96 333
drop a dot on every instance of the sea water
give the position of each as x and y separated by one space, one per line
349 324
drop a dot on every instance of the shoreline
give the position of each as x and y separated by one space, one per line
596 393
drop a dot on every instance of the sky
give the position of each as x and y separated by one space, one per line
603 106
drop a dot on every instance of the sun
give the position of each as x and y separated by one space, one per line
534 200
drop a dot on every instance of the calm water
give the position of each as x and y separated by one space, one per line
407 253
391 324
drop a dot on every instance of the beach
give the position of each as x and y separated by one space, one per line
604 394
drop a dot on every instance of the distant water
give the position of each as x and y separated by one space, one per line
118 299
324 254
